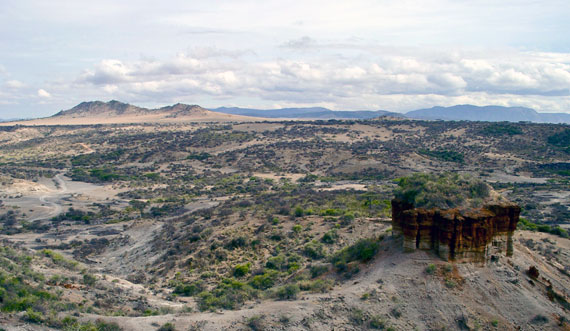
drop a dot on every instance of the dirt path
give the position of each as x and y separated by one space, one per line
55 206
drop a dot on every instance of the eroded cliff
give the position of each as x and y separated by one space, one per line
466 235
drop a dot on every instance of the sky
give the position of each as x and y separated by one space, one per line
343 55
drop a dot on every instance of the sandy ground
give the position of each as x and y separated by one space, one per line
498 176
49 197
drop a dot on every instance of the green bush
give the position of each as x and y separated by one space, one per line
276 262
264 281
241 269
89 279
297 228
363 250
525 224
443 155
71 324
430 269
377 322
318 270
189 289
228 294
500 129
288 292
448 190
167 327
314 250
58 259
560 139
330 237
317 285
33 316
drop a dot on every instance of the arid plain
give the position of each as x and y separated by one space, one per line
192 219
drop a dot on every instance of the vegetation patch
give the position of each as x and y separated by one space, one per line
501 129
362 251
449 190
443 155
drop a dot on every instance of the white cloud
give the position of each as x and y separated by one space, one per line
357 54
442 76
14 84
44 94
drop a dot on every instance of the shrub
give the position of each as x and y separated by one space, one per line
58 259
276 263
430 269
363 251
560 139
89 279
264 281
228 294
450 283
242 269
167 327
317 285
377 322
347 218
443 155
256 322
318 270
297 228
189 289
525 224
288 292
330 237
71 324
445 191
33 316
357 316
539 319
314 250
500 129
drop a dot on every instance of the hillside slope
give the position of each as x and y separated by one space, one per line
396 291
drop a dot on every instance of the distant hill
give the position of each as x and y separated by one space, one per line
116 112
488 113
307 113
117 108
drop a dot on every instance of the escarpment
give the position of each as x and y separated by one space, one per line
463 235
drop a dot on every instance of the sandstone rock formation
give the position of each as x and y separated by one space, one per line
466 235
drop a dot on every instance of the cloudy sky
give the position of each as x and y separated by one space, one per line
344 55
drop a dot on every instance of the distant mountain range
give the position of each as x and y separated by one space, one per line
307 113
119 112
454 113
488 113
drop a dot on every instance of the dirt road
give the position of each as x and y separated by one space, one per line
55 208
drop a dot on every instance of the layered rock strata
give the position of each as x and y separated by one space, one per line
456 235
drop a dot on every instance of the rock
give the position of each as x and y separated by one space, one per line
472 235
533 272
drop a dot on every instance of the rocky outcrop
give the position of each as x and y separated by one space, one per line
472 235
